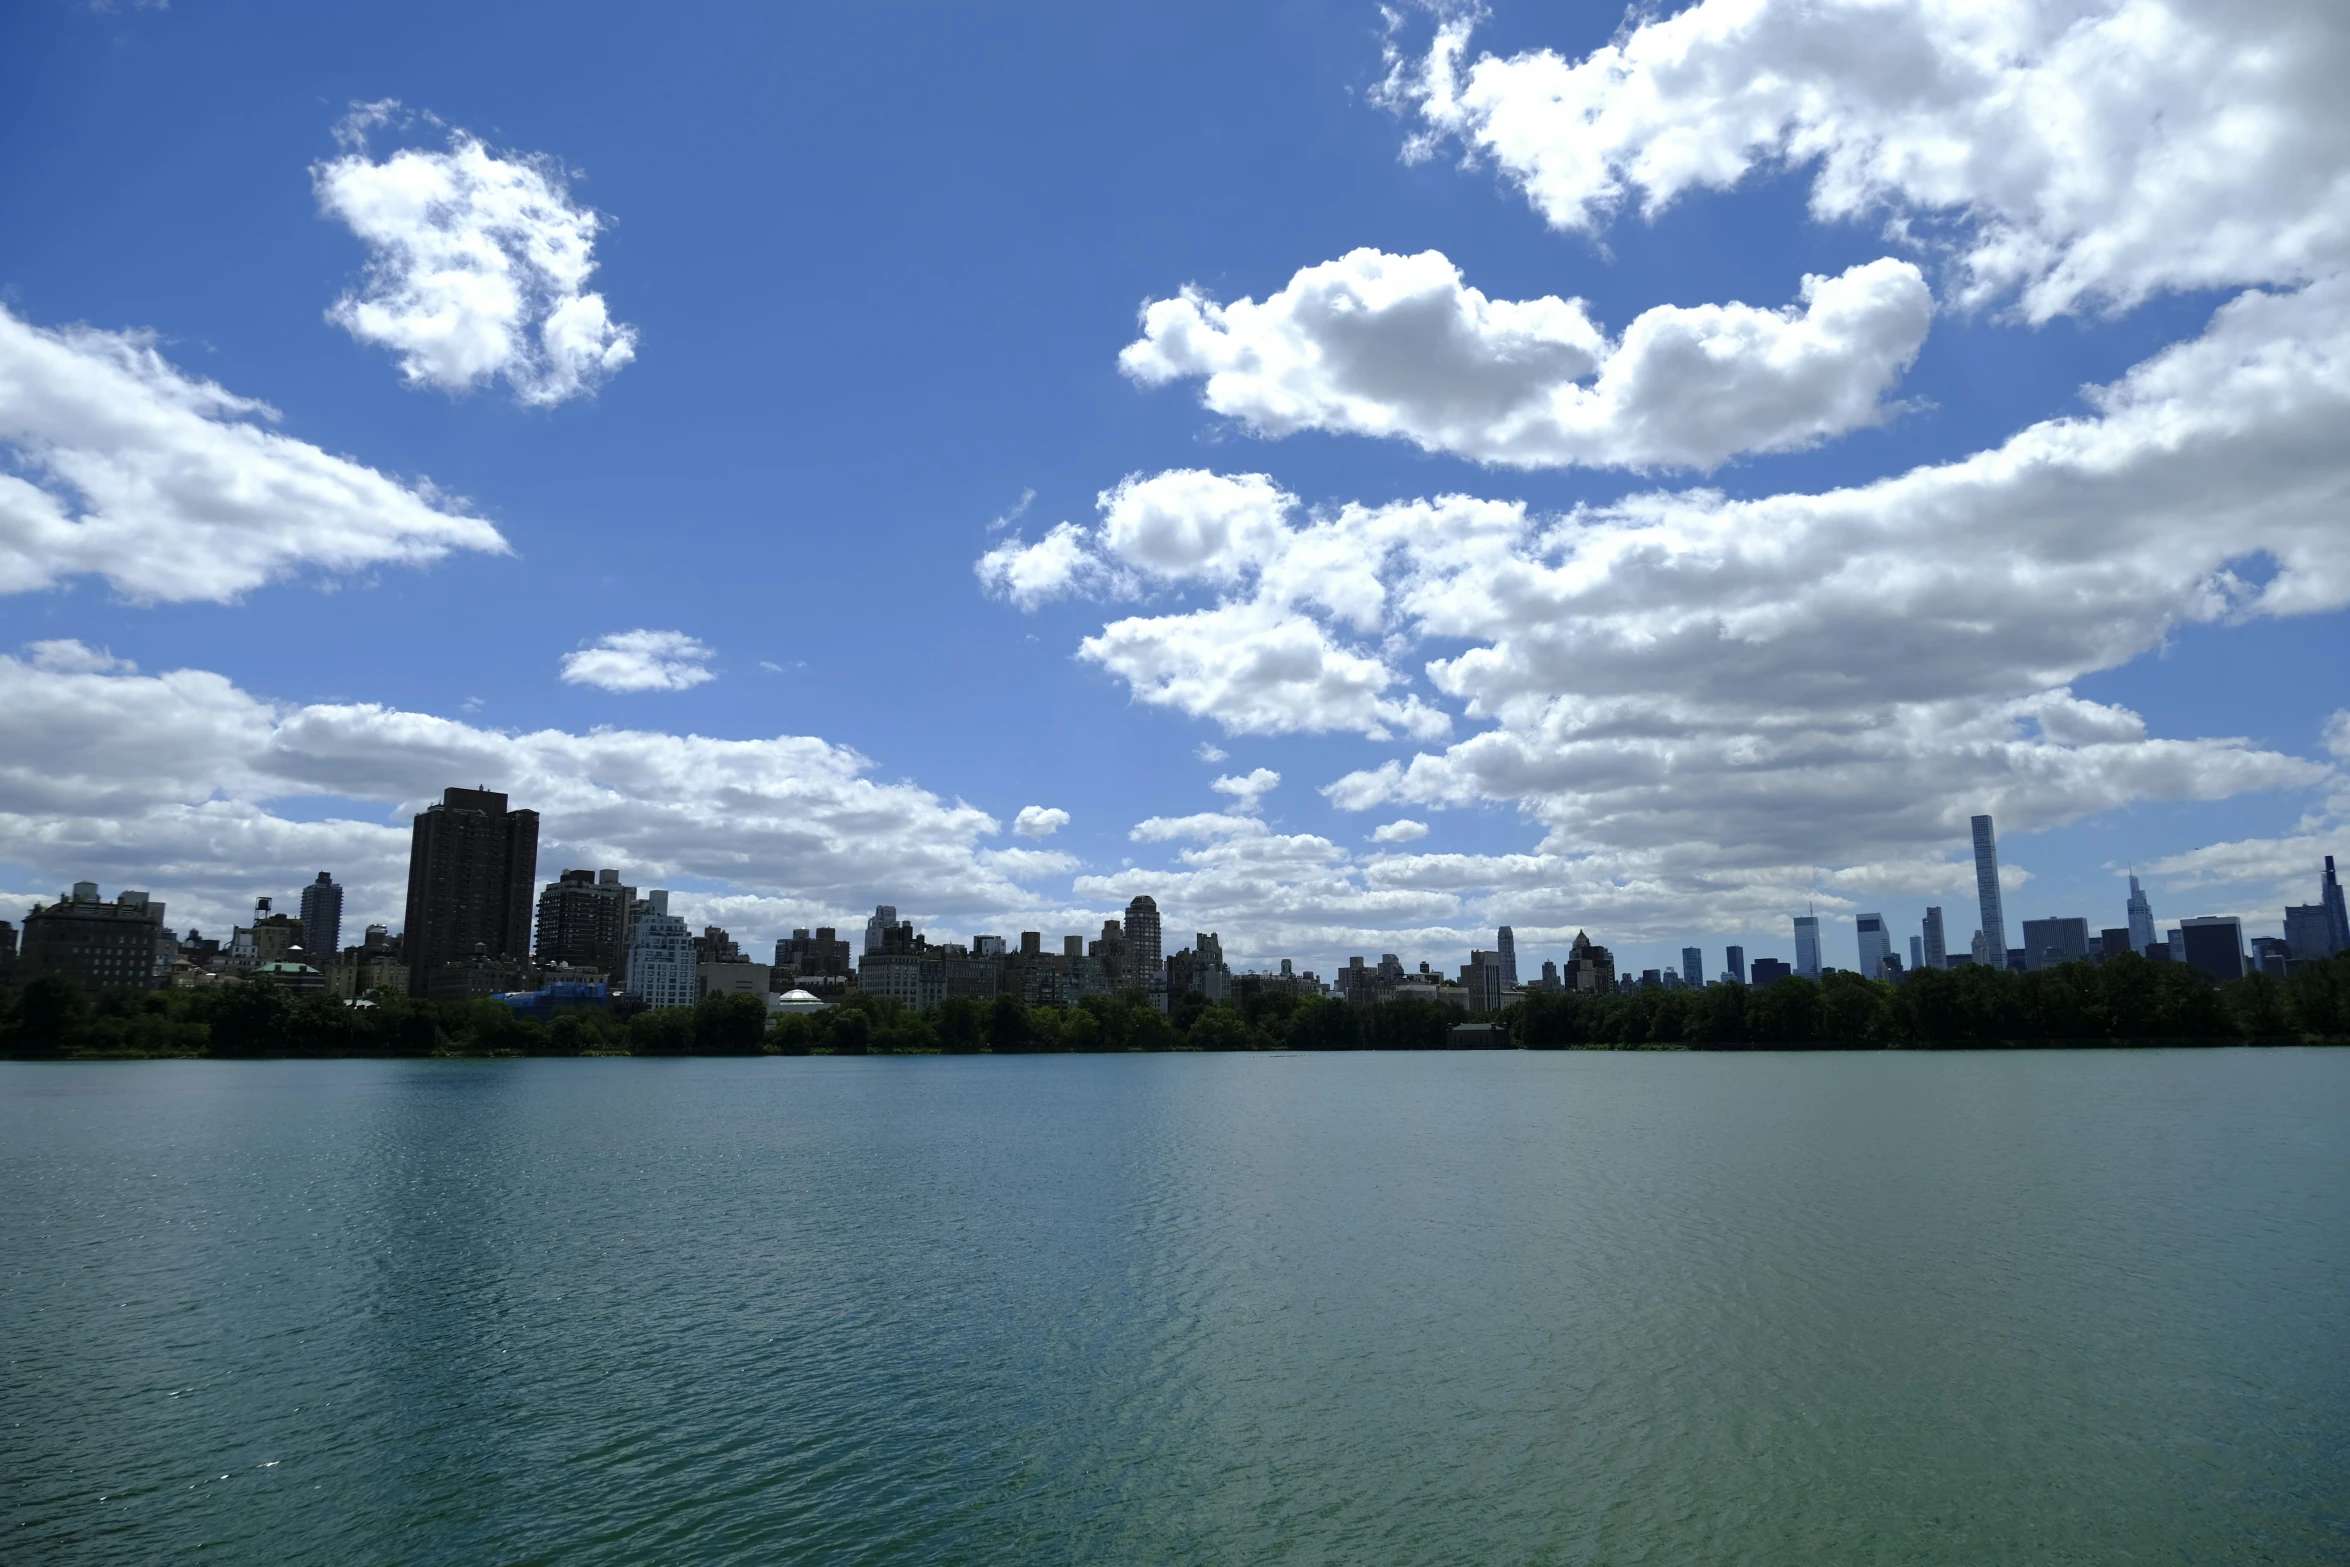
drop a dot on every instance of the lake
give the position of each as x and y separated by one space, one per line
1490 1307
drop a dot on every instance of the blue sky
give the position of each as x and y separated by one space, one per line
870 273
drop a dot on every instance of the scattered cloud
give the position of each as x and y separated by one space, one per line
478 265
641 661
1402 830
66 656
2072 155
1014 512
1039 821
1248 791
1211 753
189 786
1381 345
115 463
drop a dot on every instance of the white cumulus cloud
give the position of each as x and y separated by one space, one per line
1039 821
184 784
478 267
1402 830
115 463
1248 790
1382 345
641 661
2083 153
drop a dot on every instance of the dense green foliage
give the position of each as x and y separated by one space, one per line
2127 1001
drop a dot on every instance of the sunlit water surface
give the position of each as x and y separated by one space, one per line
1483 1308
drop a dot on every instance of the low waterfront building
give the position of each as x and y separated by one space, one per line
121 945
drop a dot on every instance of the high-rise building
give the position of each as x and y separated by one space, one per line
472 864
1693 966
1768 972
1506 944
583 920
2215 944
1144 968
1875 945
1935 941
884 916
2111 942
2141 919
1591 968
1481 979
322 918
663 967
2309 931
2050 942
2330 894
1994 913
1734 962
1917 953
1807 945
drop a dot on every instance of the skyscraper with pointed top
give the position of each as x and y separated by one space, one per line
2141 918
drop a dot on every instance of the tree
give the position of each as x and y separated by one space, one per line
51 1014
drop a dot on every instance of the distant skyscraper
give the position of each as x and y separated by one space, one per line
2309 931
322 919
1734 960
1144 966
585 920
2050 942
2331 897
1807 945
471 866
1875 945
1987 892
884 916
2214 944
1692 966
1936 942
2141 920
1917 954
1506 944
663 967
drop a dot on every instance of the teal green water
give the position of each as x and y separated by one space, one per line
1477 1308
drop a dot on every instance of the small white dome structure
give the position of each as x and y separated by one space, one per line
795 1001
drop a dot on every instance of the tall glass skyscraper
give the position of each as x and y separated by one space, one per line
1987 891
1506 943
1875 945
1693 967
2141 919
1807 945
1937 944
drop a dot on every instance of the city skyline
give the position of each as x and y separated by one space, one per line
985 515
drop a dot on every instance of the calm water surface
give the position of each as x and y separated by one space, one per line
1488 1308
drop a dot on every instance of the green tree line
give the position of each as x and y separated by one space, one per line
2126 1001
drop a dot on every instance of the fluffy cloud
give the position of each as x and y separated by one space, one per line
2073 153
1381 345
1026 575
1716 709
1402 830
1806 686
178 783
1039 821
1248 790
478 267
640 661
1258 669
114 463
